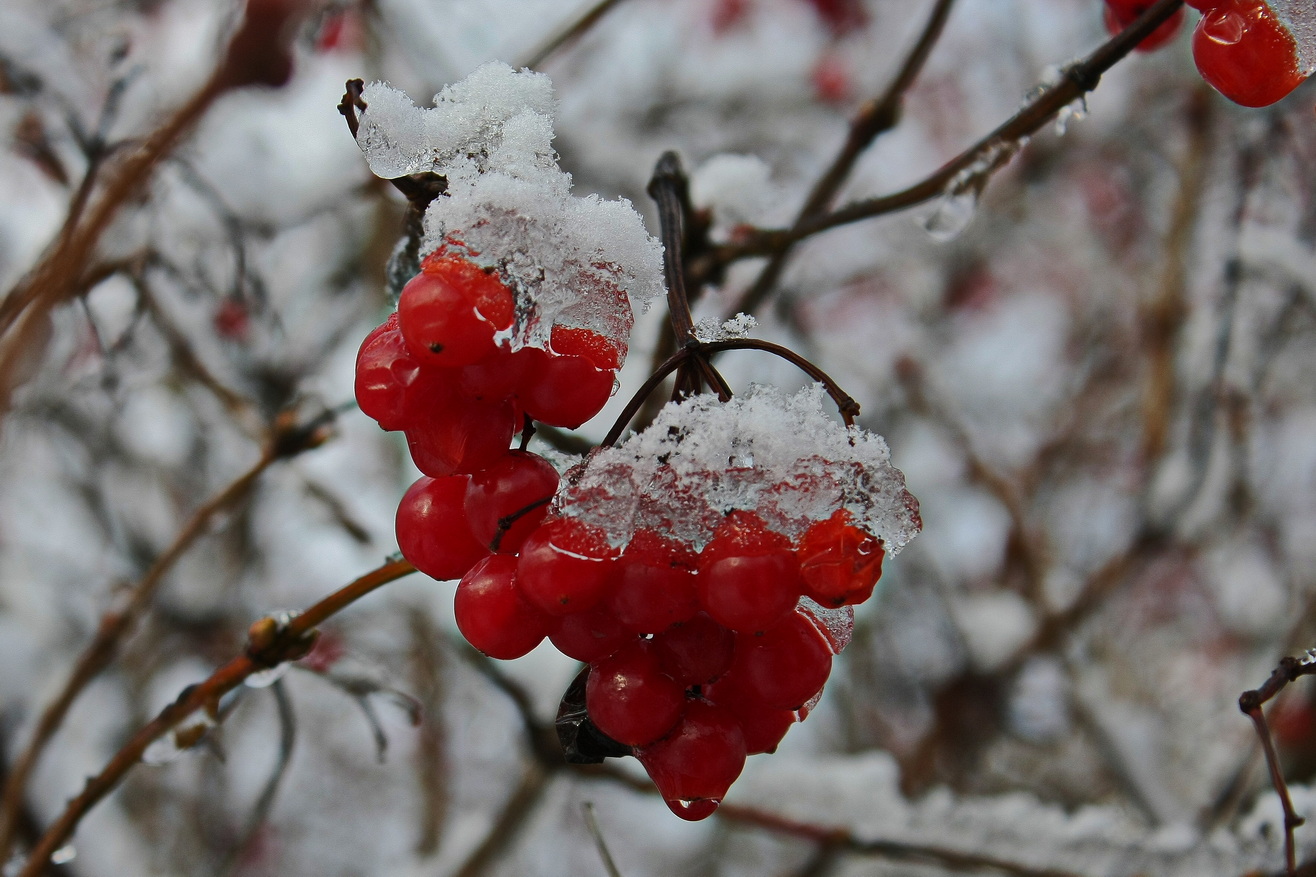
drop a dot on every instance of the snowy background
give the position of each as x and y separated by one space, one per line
1098 381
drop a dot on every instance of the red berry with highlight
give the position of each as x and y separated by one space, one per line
432 529
839 563
785 666
509 500
630 698
695 765
565 566
1246 53
491 613
655 583
451 311
749 577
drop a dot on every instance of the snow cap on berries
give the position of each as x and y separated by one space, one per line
784 457
569 261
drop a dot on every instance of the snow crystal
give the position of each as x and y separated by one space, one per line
783 457
738 189
738 326
569 261
1300 18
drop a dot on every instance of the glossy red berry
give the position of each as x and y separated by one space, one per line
600 351
695 765
763 726
630 698
785 666
508 500
1121 13
565 566
839 563
695 652
564 390
655 583
451 311
591 635
385 373
749 577
491 613
1246 53
450 433
432 529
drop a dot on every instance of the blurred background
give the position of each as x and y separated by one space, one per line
1097 377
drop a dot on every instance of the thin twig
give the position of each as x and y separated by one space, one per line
873 119
592 824
288 642
569 33
265 803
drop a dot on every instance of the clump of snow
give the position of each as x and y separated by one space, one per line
738 189
785 458
738 326
580 262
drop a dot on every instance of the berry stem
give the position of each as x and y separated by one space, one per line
845 403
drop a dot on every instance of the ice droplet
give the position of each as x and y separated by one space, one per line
63 855
951 215
1074 112
693 810
1299 17
837 625
266 678
178 739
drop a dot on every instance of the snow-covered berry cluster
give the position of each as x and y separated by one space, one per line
705 568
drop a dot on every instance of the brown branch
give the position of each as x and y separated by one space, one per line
874 118
268 646
1077 81
570 33
287 439
669 188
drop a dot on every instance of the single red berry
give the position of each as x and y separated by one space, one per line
451 433
451 311
749 577
839 562
1246 53
565 566
507 501
785 665
655 583
602 353
763 726
564 390
1121 13
432 529
695 765
695 652
841 16
591 635
491 613
630 698
385 373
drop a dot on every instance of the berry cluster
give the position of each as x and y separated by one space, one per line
1245 49
697 658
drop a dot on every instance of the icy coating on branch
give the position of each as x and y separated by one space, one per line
569 261
784 457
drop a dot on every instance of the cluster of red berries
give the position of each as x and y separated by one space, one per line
1242 48
697 658
440 369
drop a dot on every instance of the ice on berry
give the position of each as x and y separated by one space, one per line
739 326
1299 18
787 458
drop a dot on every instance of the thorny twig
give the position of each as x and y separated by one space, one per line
268 646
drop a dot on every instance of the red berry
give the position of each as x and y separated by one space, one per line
695 652
695 764
1121 13
784 666
564 390
432 529
1246 53
630 698
385 372
456 434
839 562
520 484
491 613
655 583
450 312
565 566
590 636
841 16
570 341
764 726
749 578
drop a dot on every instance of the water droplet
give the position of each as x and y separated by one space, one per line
63 855
178 739
693 810
1074 112
266 678
951 215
